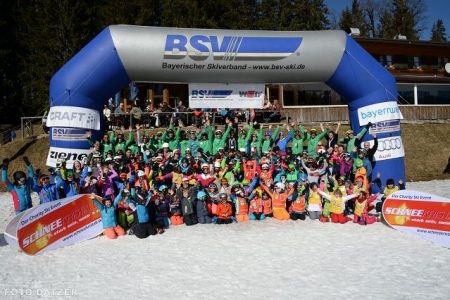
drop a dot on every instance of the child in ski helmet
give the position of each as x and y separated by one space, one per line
224 210
107 210
20 189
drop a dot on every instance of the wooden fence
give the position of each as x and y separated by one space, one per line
411 113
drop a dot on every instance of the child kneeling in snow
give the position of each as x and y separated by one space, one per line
108 212
279 197
337 205
297 207
362 207
256 207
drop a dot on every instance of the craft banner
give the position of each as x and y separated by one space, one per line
57 224
421 214
221 95
74 117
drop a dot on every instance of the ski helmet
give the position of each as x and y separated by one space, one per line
19 175
201 195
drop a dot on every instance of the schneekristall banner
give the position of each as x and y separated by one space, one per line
420 214
57 224
221 95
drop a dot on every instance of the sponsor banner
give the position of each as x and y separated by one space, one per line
11 231
218 95
69 134
230 48
74 117
379 112
385 127
70 155
388 148
57 224
421 214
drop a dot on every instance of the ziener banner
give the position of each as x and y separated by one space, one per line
421 214
69 155
57 224
221 95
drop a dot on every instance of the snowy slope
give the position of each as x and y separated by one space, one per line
272 259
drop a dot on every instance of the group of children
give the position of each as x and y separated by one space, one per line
148 182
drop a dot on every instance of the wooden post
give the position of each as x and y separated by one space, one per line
125 106
151 98
166 95
280 95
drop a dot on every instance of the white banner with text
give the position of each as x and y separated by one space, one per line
221 95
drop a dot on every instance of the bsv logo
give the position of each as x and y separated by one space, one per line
243 48
68 134
210 94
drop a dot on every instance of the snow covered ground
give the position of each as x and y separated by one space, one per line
272 259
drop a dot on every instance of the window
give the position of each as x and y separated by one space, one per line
310 94
389 61
433 93
405 93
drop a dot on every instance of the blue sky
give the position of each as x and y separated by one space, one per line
436 9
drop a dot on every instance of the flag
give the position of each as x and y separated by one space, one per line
134 91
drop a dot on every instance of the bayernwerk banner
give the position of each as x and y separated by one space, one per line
57 224
421 214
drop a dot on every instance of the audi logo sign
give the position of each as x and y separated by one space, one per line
389 148
390 144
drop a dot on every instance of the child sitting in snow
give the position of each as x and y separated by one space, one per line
176 218
337 205
202 208
279 197
389 189
297 207
363 205
224 210
125 215
314 202
256 206
108 212
241 205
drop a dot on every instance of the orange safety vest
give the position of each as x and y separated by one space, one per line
256 205
224 211
279 200
242 206
265 175
267 209
298 205
249 173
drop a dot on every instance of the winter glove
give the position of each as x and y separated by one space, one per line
5 164
27 162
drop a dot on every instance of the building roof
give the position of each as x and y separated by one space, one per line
404 47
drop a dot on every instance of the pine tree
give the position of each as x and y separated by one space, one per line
354 18
10 91
438 32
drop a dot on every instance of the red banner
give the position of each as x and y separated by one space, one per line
58 224
425 215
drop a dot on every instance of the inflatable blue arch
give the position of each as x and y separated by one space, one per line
123 53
